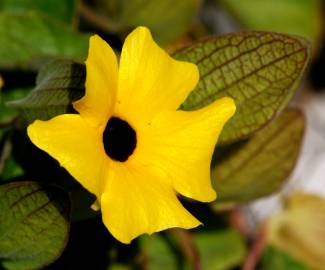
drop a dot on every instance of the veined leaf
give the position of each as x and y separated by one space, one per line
29 38
259 166
34 224
58 84
260 70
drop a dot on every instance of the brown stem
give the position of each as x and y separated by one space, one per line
255 252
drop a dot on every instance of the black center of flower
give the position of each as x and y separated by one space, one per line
119 139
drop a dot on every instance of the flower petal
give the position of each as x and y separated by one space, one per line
77 146
136 202
101 83
149 79
179 145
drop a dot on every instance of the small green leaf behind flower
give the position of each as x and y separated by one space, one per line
261 71
220 249
34 224
259 166
58 84
217 249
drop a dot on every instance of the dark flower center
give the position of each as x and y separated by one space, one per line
119 139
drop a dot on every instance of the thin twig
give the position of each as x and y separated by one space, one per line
256 251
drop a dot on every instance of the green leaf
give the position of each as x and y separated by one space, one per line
58 84
64 10
274 259
9 168
261 71
259 166
158 253
34 224
30 38
167 19
8 114
220 250
303 17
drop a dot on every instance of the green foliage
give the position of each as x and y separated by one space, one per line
9 168
220 249
58 84
63 10
158 253
8 114
300 17
261 71
274 259
166 19
37 37
259 166
34 224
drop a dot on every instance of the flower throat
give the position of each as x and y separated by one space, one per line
119 139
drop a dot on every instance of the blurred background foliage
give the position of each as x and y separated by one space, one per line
43 45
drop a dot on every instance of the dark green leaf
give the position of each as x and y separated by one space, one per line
11 170
27 39
63 10
8 114
260 70
274 259
259 166
221 249
34 224
8 166
58 84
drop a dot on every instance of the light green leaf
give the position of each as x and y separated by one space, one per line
158 253
34 224
167 19
261 71
299 17
221 249
58 84
274 259
30 38
63 10
259 166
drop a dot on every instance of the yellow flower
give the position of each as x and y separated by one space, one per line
129 145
